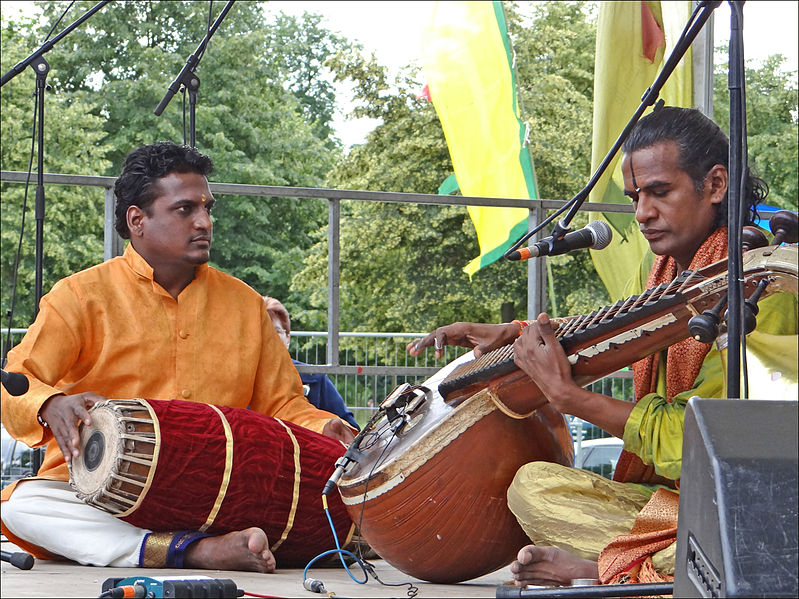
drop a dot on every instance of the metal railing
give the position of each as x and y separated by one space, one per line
370 366
363 375
536 285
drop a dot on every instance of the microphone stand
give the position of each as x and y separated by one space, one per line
692 29
40 66
737 171
189 79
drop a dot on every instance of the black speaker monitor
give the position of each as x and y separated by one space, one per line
737 532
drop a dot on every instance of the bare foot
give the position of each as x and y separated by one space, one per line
240 550
550 566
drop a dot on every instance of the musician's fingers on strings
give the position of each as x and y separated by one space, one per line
544 329
415 347
440 342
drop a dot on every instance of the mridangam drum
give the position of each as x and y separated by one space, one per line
178 465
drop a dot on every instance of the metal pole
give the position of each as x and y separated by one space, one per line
333 256
735 306
536 270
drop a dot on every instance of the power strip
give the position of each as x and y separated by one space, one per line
170 586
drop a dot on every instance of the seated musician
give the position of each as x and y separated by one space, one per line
318 388
675 172
158 323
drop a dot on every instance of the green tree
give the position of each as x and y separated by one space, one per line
298 48
254 118
73 226
771 122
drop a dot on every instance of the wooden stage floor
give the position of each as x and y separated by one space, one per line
67 579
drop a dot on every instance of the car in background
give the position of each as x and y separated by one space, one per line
598 455
15 458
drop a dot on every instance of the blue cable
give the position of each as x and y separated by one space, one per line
338 550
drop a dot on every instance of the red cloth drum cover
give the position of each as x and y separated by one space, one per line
189 472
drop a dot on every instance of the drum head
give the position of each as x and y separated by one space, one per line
100 445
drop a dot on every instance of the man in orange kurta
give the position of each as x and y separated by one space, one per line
157 322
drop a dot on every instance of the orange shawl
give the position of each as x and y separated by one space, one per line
628 558
683 359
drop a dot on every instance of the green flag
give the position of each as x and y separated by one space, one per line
469 69
633 41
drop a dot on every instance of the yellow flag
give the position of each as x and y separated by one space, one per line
633 40
469 69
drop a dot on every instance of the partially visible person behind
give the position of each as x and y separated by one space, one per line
582 525
157 323
318 388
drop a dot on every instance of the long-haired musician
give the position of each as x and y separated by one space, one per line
158 323
582 525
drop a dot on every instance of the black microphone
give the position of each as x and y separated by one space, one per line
23 561
595 235
14 382
341 466
344 461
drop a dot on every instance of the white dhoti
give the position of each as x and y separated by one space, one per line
48 514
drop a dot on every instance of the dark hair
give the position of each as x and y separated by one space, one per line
137 185
702 145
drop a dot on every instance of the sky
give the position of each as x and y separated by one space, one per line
393 31
770 27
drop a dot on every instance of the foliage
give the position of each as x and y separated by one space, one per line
73 225
298 49
263 113
402 264
771 122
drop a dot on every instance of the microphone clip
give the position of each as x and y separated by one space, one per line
397 407
559 232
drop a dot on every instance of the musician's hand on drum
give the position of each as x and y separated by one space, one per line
63 414
539 354
482 337
336 429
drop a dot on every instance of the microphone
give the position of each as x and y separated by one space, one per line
14 382
344 461
341 466
23 561
595 235
314 585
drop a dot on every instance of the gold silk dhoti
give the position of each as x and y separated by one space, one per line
578 510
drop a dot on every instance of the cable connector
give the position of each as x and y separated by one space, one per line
314 585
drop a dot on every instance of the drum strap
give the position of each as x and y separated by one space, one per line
167 549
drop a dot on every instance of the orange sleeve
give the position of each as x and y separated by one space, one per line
46 353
